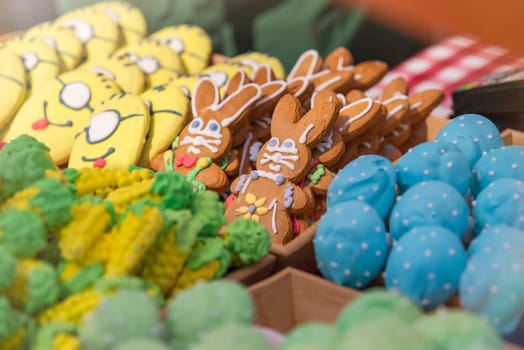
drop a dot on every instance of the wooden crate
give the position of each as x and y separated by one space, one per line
253 273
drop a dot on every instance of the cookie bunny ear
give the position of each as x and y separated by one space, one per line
354 95
205 96
422 103
286 114
339 59
319 120
368 73
301 88
263 74
307 64
233 109
271 92
396 86
238 80
357 117
337 81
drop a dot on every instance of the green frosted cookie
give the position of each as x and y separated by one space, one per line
232 336
312 334
22 232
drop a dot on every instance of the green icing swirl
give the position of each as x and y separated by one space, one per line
10 320
71 175
23 161
7 268
208 250
22 232
247 240
175 190
43 288
46 334
208 208
315 176
82 279
187 227
53 201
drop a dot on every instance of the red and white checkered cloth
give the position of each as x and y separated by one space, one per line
448 65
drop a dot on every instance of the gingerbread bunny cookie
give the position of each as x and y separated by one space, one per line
270 194
205 142
422 103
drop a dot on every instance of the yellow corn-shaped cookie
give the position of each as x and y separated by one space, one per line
66 342
100 182
72 309
123 196
208 260
35 286
14 341
90 219
57 336
136 232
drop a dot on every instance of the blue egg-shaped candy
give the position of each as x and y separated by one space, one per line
369 178
425 265
429 203
473 134
440 161
501 202
350 244
496 238
497 164
492 286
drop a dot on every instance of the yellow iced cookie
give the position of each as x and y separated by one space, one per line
192 43
123 70
12 85
63 40
40 61
186 83
115 136
62 110
255 59
99 34
221 73
158 62
127 16
170 111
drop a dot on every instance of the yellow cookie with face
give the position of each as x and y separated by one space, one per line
221 73
186 83
12 85
40 61
170 111
127 16
99 34
255 59
62 110
63 40
159 64
192 43
115 135
123 70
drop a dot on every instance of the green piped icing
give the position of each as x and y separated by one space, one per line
7 268
193 174
22 232
82 279
129 283
208 208
232 336
207 250
320 334
247 240
142 344
225 162
71 175
175 190
23 161
122 316
195 311
43 287
315 176
187 227
46 334
10 320
137 208
53 202
134 167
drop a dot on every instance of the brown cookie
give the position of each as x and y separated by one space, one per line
422 103
396 101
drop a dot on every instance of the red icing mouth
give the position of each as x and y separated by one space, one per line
99 163
40 124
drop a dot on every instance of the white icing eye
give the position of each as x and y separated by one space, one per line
213 127
75 95
104 72
176 44
219 78
148 64
113 15
273 144
82 29
196 125
102 126
288 145
50 41
30 60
